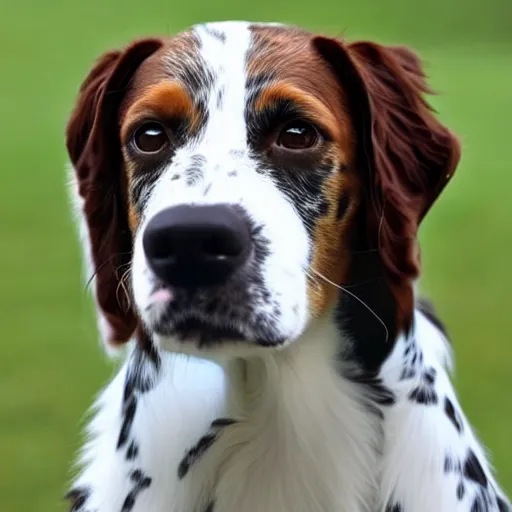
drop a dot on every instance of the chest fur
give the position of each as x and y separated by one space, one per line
285 443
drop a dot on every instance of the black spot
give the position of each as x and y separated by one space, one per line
129 410
220 97
460 491
78 498
323 208
209 508
502 505
473 470
194 454
407 373
394 508
175 177
452 414
141 482
343 204
423 395
132 452
232 173
476 507
137 475
222 422
142 372
129 502
430 375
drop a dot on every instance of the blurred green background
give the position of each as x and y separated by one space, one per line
50 361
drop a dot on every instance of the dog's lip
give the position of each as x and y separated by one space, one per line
208 334
204 332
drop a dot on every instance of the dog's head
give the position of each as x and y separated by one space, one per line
239 181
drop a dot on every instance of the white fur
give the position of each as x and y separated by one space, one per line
223 143
303 442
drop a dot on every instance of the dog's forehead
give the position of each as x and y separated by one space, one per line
242 54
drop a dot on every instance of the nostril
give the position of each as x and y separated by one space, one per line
165 247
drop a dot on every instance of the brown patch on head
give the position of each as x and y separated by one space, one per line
285 65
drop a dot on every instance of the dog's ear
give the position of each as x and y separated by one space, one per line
404 154
92 139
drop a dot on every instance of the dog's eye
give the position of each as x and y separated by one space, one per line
298 135
151 138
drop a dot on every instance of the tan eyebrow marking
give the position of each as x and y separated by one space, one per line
167 99
311 105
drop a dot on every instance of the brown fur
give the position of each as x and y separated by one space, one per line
93 144
405 156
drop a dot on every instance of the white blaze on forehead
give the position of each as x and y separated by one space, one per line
226 58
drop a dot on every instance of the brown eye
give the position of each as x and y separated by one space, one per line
298 135
150 138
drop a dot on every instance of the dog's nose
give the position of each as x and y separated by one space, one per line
195 246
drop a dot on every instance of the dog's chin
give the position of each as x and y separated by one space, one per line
198 336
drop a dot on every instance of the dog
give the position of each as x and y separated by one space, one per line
249 198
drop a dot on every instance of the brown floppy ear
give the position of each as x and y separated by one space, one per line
404 154
92 139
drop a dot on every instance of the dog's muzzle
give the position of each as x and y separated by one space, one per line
193 247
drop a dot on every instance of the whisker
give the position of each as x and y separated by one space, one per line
122 285
109 259
318 274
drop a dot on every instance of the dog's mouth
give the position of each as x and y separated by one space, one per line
202 333
208 320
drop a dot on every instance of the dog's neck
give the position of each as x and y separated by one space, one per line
300 416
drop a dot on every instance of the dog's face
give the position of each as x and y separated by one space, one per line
246 176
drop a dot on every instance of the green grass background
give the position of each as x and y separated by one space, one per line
50 361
